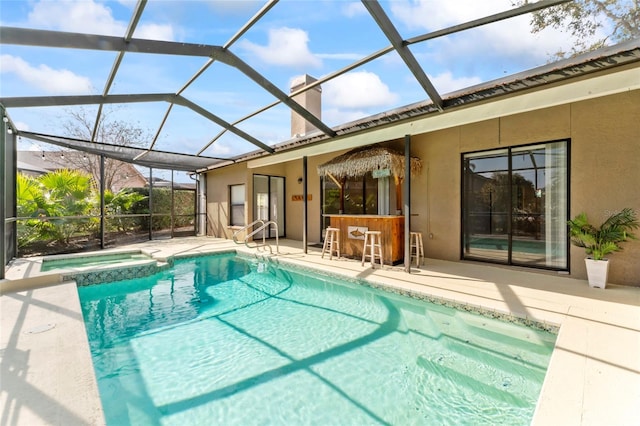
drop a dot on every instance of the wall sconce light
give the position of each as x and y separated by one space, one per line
5 119
43 155
9 130
62 155
299 180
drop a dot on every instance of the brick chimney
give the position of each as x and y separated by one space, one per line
311 100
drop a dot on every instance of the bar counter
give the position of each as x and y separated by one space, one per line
352 228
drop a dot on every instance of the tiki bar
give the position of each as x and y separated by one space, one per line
363 192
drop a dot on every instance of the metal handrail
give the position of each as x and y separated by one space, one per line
244 228
262 227
264 243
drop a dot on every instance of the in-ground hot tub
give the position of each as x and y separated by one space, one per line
91 260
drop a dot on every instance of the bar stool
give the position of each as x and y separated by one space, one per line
331 242
416 247
372 241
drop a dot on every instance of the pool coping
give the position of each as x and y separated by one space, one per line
597 348
34 276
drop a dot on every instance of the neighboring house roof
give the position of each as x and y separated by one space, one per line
33 160
41 162
163 183
30 169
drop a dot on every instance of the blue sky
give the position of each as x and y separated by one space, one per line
293 38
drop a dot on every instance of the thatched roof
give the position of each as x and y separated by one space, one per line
360 161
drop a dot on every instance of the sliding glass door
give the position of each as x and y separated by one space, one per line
268 203
515 205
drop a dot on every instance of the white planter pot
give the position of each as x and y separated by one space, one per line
597 272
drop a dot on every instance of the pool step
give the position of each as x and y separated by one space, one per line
510 363
497 340
479 381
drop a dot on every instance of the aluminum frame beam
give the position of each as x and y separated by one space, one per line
44 101
133 23
66 40
44 38
158 159
501 16
528 8
401 47
202 69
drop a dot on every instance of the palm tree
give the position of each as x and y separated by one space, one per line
32 203
71 193
60 201
120 203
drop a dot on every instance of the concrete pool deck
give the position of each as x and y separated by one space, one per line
47 378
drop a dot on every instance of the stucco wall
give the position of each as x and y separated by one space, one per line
218 198
435 195
605 174
605 171
218 182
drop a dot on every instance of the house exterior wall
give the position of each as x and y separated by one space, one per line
218 198
604 136
605 173
295 209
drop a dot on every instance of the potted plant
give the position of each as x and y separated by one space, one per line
600 241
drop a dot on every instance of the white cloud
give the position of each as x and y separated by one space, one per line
219 149
21 125
355 90
30 146
59 81
446 82
155 32
335 116
286 46
352 9
76 16
87 16
508 38
430 15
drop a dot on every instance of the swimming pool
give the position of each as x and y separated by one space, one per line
229 340
84 260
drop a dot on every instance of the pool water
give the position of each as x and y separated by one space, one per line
227 340
91 260
518 245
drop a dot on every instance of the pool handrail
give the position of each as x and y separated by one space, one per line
263 226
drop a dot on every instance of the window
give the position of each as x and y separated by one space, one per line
515 205
236 201
360 195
